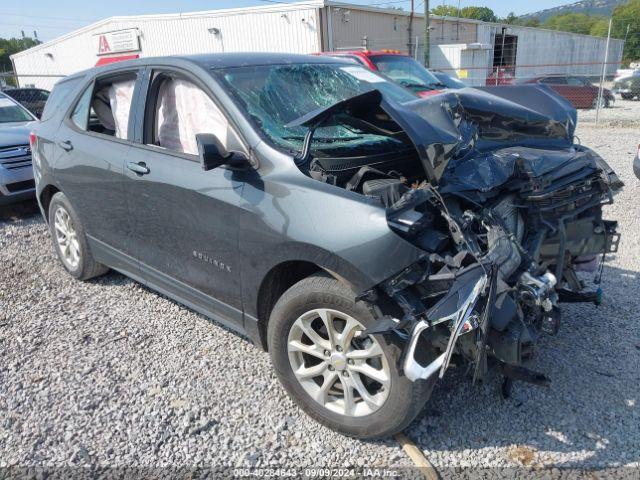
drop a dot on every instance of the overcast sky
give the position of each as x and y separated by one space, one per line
51 18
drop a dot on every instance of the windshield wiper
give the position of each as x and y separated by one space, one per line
421 86
325 139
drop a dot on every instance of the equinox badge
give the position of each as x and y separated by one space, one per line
212 261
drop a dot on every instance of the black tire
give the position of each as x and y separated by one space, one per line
626 96
405 398
86 267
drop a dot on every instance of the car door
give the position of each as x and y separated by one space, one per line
94 141
185 219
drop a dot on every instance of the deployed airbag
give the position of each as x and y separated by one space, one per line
185 110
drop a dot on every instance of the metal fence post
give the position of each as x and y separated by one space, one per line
604 71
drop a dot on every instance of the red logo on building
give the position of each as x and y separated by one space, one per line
103 45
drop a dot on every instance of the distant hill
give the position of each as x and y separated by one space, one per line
591 7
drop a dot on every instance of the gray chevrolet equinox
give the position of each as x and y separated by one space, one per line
366 238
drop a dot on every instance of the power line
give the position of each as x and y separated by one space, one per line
25 25
48 17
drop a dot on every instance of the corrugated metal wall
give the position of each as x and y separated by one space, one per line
282 29
386 30
542 52
306 28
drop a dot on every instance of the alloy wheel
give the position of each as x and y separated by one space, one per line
342 370
67 238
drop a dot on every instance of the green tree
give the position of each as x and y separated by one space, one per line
600 28
626 24
572 22
9 46
513 19
445 11
479 13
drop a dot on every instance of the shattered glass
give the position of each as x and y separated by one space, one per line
275 95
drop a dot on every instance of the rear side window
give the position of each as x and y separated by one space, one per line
105 106
57 97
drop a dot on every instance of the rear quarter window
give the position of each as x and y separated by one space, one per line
57 97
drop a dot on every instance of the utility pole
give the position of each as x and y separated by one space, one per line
427 29
410 29
604 72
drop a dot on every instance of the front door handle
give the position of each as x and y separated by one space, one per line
66 145
139 168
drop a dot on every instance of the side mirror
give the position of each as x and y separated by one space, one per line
211 151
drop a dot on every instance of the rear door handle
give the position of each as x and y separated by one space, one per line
66 145
139 168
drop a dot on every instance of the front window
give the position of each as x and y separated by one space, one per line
11 112
274 95
406 71
181 111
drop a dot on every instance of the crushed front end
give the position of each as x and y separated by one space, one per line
505 226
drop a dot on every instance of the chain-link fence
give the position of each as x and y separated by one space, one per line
31 91
617 102
596 66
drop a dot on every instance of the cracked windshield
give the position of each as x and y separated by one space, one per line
274 95
406 71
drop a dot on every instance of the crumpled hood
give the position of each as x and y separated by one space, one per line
470 121
15 133
459 123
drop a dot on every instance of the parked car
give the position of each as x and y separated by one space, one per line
398 67
447 80
33 99
16 174
626 73
636 163
366 238
628 88
578 90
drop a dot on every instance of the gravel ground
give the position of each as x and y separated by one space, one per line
623 113
108 373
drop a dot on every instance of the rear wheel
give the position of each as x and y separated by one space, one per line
69 240
346 381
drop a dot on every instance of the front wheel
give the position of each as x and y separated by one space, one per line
344 380
602 101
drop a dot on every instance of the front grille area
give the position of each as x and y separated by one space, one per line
20 186
17 156
564 199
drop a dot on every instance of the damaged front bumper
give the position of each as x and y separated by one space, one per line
492 277
460 322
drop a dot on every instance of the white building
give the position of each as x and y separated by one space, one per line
469 49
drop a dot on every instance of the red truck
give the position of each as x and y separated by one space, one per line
397 66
